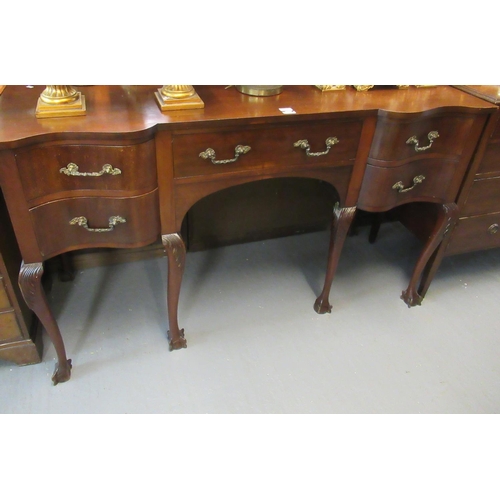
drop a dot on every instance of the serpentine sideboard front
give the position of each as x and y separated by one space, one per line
125 174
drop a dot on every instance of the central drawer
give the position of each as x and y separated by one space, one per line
58 171
269 148
71 224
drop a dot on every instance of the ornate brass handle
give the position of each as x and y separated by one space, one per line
113 221
493 229
209 154
400 188
431 136
304 144
72 169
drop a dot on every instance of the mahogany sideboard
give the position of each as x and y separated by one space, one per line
125 174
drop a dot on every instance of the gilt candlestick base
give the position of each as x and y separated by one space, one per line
173 97
60 100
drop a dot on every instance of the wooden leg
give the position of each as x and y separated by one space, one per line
67 272
176 252
30 283
375 227
342 219
427 263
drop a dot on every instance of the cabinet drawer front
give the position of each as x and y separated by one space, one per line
85 169
424 180
390 142
58 227
4 298
9 329
491 159
475 233
484 197
269 148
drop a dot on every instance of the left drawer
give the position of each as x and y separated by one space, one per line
55 171
71 224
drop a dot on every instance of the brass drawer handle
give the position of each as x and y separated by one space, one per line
493 229
304 144
400 188
209 154
72 169
113 221
431 136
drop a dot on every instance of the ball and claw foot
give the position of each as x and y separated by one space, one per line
322 306
411 298
62 373
176 344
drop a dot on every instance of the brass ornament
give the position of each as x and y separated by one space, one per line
432 136
493 229
329 88
175 97
363 88
60 100
209 154
72 170
400 188
82 221
304 144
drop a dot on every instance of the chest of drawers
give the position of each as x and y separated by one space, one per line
20 339
478 227
126 174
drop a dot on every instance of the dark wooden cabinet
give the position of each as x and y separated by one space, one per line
126 174
478 227
20 339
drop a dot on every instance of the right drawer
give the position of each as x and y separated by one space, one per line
398 139
424 180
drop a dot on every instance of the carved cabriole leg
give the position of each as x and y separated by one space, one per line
30 283
342 219
447 218
176 252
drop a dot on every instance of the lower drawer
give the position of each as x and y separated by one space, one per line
425 180
475 233
76 223
9 329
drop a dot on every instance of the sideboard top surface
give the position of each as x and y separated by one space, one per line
122 109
